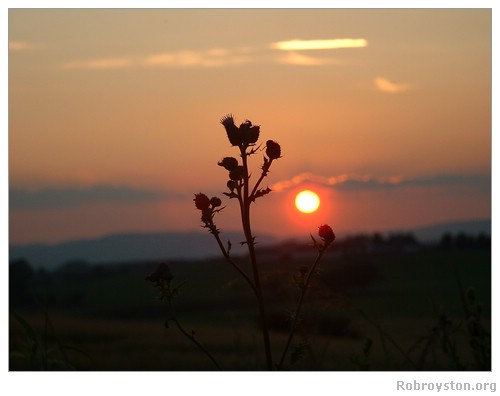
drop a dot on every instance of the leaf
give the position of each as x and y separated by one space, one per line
254 150
261 193
314 241
232 194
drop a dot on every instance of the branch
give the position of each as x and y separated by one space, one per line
265 171
191 336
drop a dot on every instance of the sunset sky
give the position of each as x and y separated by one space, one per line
114 117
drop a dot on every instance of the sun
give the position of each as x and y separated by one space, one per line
307 201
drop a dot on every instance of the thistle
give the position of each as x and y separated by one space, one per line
245 137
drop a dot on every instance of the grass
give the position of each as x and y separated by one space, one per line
392 299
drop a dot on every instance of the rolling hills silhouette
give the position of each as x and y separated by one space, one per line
129 247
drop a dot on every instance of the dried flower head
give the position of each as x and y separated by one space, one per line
231 184
232 130
273 150
229 163
215 201
250 132
161 273
237 173
201 201
247 134
326 233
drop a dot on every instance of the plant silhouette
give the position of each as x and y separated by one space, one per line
239 188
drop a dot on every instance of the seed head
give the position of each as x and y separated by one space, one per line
214 201
232 130
247 134
326 233
273 150
237 173
201 201
161 273
231 184
229 163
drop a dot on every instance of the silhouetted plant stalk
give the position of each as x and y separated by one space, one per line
479 338
244 138
162 279
303 281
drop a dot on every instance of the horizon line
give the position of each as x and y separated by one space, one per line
346 233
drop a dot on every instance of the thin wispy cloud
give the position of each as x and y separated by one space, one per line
20 199
384 85
99 64
367 182
215 57
295 58
301 45
22 46
224 57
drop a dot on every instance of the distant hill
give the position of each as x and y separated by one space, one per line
128 247
434 232
183 246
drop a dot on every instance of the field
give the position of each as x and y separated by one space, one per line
382 310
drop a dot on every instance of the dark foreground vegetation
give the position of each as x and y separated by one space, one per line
378 303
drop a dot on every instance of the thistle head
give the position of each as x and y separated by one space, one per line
201 201
215 202
231 184
273 150
326 233
244 136
232 130
160 275
229 163
237 173
249 132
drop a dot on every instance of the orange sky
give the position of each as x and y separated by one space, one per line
114 116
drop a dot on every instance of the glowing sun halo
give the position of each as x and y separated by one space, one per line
307 201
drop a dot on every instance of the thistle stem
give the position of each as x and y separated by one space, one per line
265 169
245 206
303 289
232 262
191 336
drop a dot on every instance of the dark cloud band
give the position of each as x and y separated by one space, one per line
70 197
353 182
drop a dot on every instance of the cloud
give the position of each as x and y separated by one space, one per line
384 85
366 182
96 64
22 46
69 197
300 45
214 57
294 58
223 57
